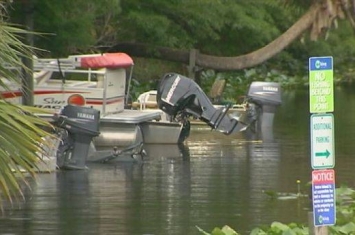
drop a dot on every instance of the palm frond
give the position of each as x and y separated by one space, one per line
21 133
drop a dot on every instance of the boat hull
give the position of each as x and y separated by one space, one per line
164 132
146 126
117 135
132 126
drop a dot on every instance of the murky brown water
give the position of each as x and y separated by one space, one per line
211 181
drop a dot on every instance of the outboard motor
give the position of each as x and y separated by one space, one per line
80 125
263 99
181 97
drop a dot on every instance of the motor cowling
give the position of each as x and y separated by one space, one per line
181 97
79 125
177 93
265 93
263 99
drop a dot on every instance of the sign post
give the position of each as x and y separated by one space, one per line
321 106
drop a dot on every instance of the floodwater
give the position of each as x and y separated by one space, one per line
210 181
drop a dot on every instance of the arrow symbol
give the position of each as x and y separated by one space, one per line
323 154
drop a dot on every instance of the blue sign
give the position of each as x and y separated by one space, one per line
320 63
323 197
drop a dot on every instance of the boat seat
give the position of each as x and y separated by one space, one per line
42 76
146 100
149 105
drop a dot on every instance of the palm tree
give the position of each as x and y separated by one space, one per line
22 134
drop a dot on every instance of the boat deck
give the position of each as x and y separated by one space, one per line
126 116
132 116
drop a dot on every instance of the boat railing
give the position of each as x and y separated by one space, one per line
53 64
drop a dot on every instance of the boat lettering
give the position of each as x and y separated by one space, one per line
51 100
48 106
86 116
50 103
172 89
269 88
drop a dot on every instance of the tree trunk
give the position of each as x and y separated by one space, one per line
27 73
225 63
261 55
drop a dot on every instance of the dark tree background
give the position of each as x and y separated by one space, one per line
228 35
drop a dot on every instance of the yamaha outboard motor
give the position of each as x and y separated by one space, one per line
80 125
262 99
181 97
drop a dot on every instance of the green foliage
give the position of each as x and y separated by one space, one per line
70 26
249 25
231 28
216 27
345 220
237 83
138 88
226 230
21 138
171 23
276 228
18 124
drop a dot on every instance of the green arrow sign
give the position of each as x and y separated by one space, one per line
322 141
323 154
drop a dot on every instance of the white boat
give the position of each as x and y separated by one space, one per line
89 92
147 101
101 82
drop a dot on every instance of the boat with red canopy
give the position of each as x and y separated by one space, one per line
101 82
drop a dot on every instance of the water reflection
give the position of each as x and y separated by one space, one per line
263 165
164 192
77 210
210 181
168 151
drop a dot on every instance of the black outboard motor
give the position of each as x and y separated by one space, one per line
181 97
263 99
80 125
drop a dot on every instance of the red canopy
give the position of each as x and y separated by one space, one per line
107 60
